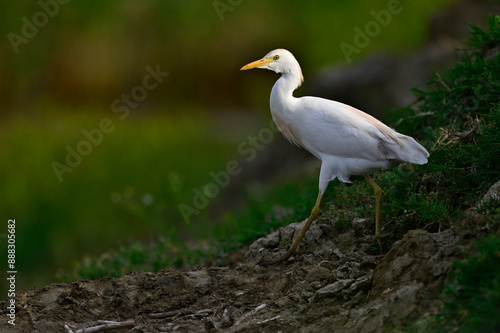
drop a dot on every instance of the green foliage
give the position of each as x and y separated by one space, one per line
460 116
136 257
130 185
264 211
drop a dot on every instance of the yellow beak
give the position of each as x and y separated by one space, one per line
256 64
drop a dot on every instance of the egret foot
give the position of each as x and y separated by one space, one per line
293 248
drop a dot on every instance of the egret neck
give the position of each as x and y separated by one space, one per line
283 103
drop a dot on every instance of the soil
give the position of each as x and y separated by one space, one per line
336 282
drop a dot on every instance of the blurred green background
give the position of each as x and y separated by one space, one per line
84 55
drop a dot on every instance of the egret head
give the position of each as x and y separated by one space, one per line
279 61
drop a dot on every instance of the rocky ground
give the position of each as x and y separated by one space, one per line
334 283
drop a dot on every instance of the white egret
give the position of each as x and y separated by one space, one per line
346 140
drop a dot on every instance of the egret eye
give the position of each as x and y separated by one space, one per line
276 57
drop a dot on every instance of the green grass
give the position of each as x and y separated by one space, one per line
457 118
461 117
128 188
137 256
272 209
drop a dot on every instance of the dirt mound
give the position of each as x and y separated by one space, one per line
334 283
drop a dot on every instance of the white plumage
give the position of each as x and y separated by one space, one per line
345 139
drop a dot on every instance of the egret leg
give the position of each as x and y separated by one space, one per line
310 219
378 198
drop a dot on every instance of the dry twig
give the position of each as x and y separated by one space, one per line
162 315
104 326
